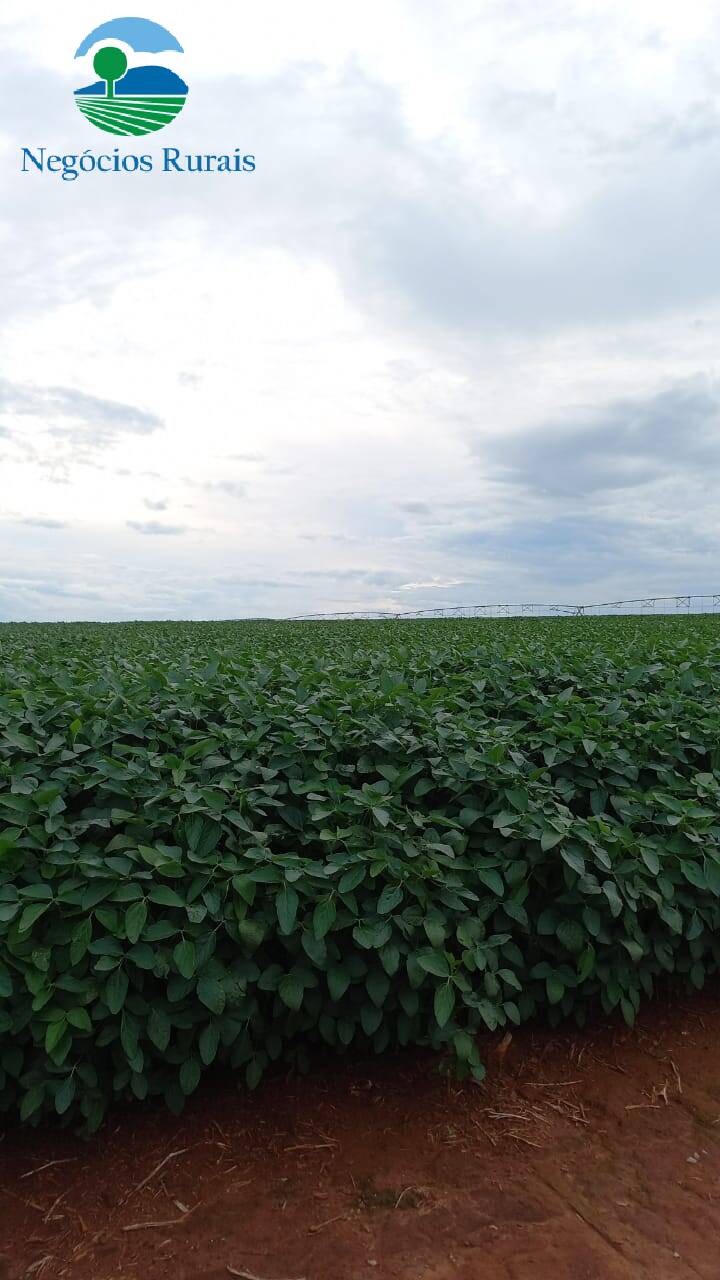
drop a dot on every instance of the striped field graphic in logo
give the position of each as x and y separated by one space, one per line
132 116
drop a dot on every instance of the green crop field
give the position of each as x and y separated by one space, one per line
231 842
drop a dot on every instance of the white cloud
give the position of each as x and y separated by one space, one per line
479 238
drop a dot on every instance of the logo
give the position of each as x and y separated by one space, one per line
135 94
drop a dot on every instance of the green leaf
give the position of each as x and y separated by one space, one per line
135 918
633 948
519 799
372 935
613 897
32 1101
555 989
444 1003
160 930
550 838
185 958
573 858
507 818
64 1095
54 1034
409 1001
390 898
469 816
515 911
390 958
190 1073
693 873
338 979
370 1019
203 836
158 1028
251 932
116 989
586 964
324 917
291 991
164 896
493 880
712 876
287 903
671 916
209 1043
246 888
79 1018
378 985
314 948
571 935
31 915
628 1011
352 879
435 962
651 860
270 977
435 927
464 1046
592 920
212 994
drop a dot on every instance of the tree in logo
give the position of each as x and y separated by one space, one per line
111 65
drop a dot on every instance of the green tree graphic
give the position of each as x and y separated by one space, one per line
110 64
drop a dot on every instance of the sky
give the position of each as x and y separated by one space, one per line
453 341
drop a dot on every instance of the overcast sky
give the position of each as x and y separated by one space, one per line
455 339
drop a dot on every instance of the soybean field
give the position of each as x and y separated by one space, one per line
231 843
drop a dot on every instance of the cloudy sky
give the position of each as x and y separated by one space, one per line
455 339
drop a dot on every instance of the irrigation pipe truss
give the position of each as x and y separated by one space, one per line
643 605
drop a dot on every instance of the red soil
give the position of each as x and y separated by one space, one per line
585 1156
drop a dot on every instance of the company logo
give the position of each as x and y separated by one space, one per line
133 95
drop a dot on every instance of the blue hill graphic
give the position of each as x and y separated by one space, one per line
154 81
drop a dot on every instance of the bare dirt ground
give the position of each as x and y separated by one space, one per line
585 1156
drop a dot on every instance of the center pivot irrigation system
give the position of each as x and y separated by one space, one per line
643 605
